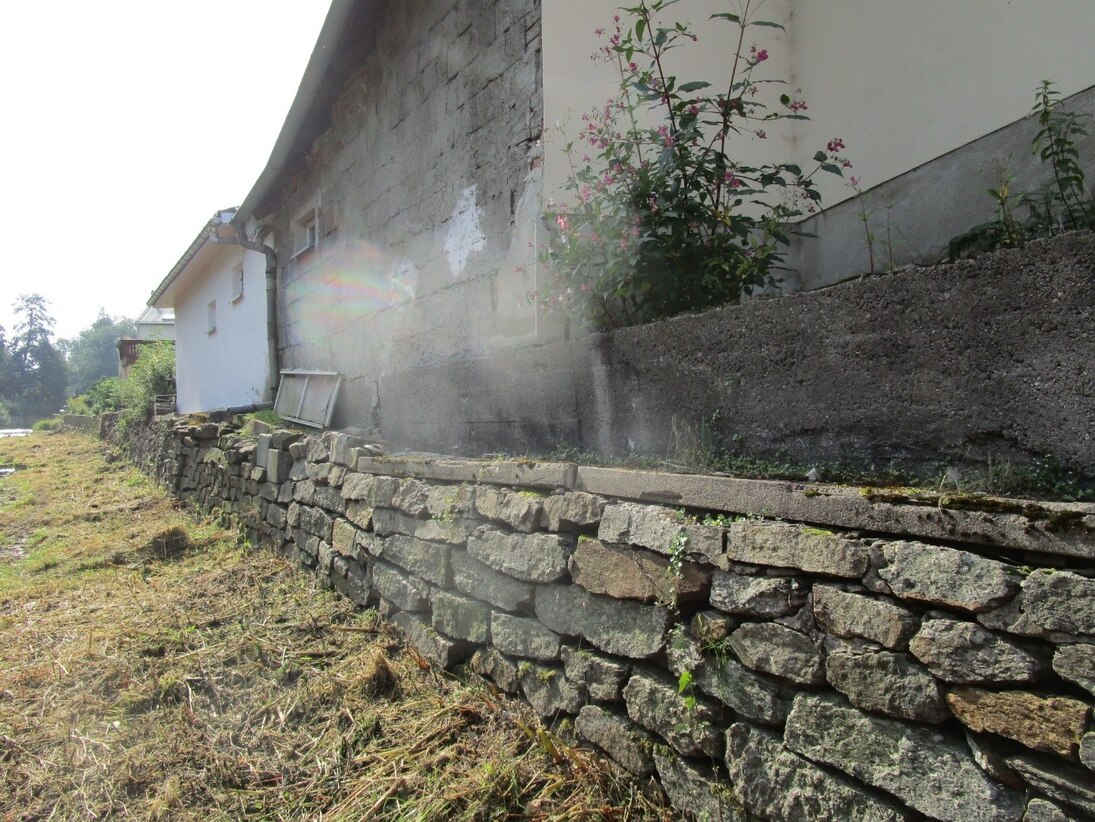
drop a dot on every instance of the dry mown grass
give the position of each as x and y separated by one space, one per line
151 667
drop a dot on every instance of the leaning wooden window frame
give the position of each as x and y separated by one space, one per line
308 397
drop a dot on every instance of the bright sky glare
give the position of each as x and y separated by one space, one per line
128 123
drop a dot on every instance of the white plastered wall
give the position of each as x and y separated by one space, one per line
227 367
901 82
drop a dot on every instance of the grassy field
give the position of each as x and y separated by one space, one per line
154 666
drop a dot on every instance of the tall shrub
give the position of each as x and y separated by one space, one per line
664 217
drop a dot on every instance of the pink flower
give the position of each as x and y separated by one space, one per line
835 145
731 180
693 109
562 222
798 105
853 181
760 56
632 67
599 32
667 138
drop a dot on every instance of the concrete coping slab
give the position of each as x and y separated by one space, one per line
1063 529
523 473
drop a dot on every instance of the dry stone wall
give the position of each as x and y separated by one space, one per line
860 659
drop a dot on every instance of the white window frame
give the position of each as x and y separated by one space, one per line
305 232
237 284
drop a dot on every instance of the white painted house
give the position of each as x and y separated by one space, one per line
218 291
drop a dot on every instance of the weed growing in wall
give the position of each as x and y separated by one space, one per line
664 218
1064 204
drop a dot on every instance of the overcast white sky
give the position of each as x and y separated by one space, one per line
126 124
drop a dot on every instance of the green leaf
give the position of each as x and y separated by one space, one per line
733 18
696 85
785 99
640 27
768 24
821 157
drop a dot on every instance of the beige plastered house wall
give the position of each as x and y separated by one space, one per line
902 83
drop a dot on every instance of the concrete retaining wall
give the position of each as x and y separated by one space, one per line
766 650
984 359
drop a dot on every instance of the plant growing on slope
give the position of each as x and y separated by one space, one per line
665 219
1062 205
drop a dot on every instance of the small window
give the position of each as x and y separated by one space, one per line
211 317
237 283
305 230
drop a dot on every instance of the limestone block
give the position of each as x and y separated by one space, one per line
602 677
530 557
767 597
1087 751
524 637
262 450
548 691
412 498
619 737
317 522
343 538
722 677
1076 663
695 790
1042 810
378 492
400 589
1054 604
572 511
352 579
428 560
617 627
461 617
360 513
521 511
497 667
855 616
327 497
653 702
887 683
304 492
448 502
783 545
342 448
774 783
944 576
472 577
432 646
278 464
661 529
775 649
631 573
387 521
930 772
1068 784
965 653
1053 724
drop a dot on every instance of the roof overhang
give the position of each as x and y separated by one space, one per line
341 48
193 262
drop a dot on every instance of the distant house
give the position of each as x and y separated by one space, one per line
156 324
403 197
153 324
217 292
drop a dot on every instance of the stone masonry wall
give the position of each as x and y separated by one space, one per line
766 650
426 186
